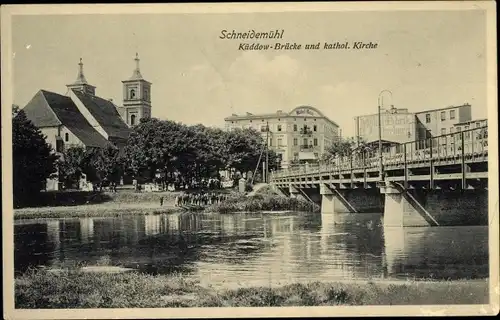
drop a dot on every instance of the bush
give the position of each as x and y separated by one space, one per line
262 202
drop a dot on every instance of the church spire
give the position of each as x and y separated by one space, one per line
81 83
137 72
80 78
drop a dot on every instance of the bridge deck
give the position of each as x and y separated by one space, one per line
466 162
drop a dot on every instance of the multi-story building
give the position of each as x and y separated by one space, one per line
301 134
398 126
437 122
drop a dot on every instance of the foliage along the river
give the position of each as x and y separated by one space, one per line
32 160
191 153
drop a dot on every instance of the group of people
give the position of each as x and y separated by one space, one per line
199 199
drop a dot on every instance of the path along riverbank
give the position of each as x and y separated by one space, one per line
79 289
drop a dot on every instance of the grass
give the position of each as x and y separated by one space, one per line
263 202
93 211
108 204
77 289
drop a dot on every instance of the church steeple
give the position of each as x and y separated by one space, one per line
136 96
137 72
81 83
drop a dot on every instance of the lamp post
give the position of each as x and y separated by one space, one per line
267 152
380 163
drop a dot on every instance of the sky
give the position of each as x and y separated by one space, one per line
427 59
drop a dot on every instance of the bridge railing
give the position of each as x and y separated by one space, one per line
471 144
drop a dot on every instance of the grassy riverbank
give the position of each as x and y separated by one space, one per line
77 289
109 204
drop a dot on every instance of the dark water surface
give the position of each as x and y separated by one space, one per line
255 249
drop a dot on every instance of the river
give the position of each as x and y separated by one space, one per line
254 249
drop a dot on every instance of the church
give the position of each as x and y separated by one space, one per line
81 118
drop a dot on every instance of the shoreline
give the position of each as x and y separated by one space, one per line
84 289
146 204
115 209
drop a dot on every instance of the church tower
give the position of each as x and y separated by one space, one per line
81 83
136 97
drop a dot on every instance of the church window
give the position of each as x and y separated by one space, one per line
66 137
132 120
132 94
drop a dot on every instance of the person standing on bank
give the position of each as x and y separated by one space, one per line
161 201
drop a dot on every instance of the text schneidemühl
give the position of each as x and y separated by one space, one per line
252 34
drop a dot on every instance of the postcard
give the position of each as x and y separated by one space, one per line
250 160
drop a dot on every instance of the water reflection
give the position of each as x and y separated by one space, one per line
253 249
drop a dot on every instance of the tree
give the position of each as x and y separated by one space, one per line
244 147
158 145
32 157
71 166
340 148
103 164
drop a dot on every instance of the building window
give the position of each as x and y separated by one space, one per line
443 131
296 156
459 129
66 137
478 125
305 141
294 141
294 127
452 114
279 127
451 130
270 142
132 94
315 142
280 142
132 120
443 115
428 118
315 128
316 155
467 134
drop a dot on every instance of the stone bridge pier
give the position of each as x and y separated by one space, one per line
334 199
441 207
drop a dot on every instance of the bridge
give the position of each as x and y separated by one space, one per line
441 180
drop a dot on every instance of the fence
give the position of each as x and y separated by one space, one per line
471 144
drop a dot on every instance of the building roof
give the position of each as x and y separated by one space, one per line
104 111
281 114
445 108
49 109
385 112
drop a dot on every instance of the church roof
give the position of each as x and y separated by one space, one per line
105 113
49 109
